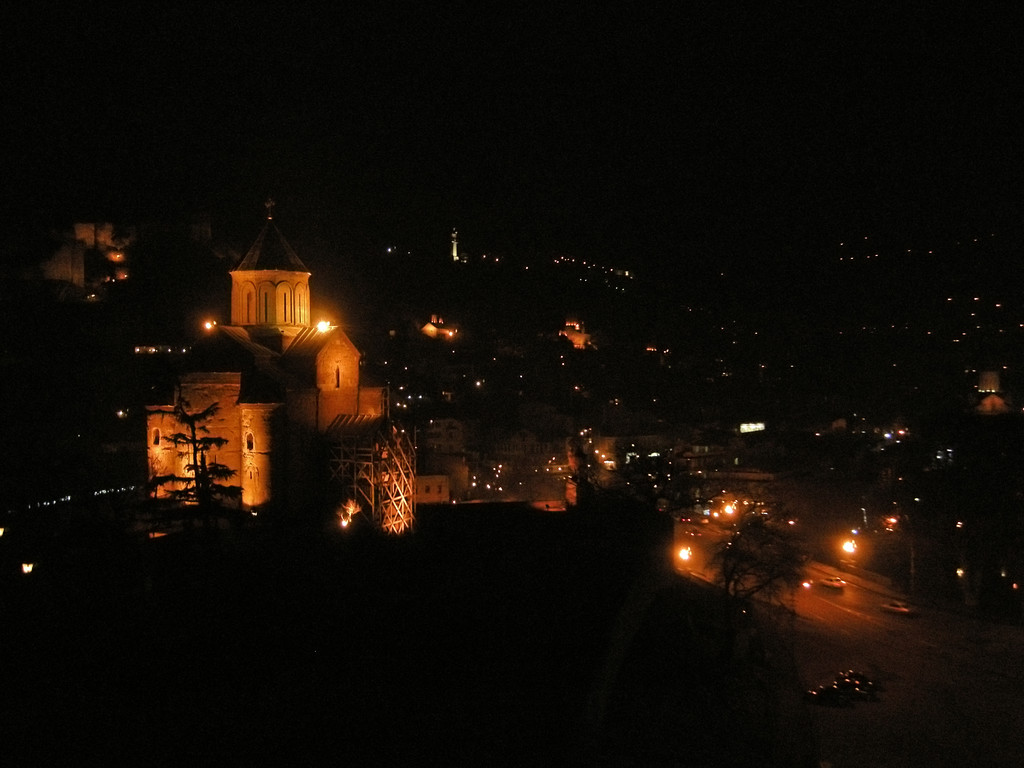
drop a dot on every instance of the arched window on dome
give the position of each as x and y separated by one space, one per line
301 309
250 442
284 309
266 308
250 302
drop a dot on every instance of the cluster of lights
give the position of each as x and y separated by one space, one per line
974 325
493 483
68 498
160 350
845 255
611 277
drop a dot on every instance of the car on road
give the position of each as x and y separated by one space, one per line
828 695
898 607
860 678
833 582
856 686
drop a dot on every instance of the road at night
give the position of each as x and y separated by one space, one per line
951 684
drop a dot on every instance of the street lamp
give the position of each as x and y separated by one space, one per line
849 549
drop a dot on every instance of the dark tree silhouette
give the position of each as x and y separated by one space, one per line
760 559
202 484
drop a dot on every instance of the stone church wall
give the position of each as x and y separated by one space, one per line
258 445
200 391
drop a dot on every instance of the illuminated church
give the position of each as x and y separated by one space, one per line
300 426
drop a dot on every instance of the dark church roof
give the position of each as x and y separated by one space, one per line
359 427
299 359
271 251
308 342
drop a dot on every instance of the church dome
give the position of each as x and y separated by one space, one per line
271 251
270 286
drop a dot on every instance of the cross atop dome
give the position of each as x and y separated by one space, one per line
269 205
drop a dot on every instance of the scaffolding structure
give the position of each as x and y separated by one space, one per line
375 462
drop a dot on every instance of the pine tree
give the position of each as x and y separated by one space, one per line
202 484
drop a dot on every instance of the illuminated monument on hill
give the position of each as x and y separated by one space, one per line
299 424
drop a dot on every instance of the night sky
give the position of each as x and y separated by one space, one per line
646 139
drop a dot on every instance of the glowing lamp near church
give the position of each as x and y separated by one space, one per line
27 567
210 325
323 326
347 512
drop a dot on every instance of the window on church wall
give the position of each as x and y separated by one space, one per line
156 437
337 377
281 294
250 442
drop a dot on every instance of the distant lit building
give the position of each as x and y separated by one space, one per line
438 329
442 450
576 333
991 397
90 256
296 416
432 489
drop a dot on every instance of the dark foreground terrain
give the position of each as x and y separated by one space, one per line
494 635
